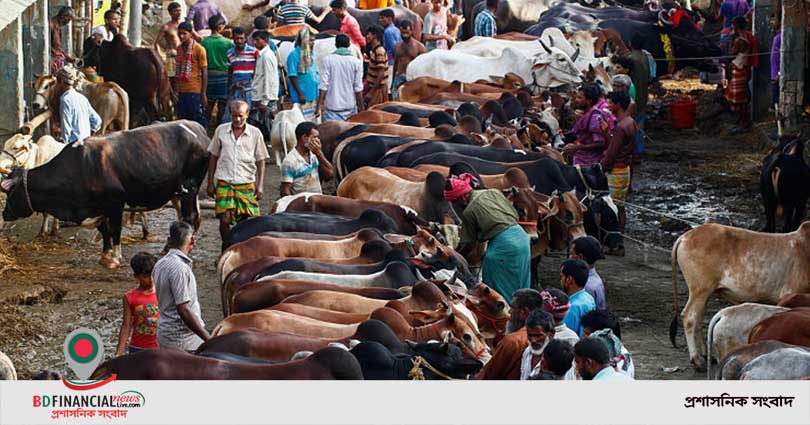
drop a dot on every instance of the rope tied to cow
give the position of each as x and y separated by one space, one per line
417 374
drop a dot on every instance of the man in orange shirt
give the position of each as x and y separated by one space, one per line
505 362
191 81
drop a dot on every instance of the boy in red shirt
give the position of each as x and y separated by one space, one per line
140 309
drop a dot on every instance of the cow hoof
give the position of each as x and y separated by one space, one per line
109 262
700 366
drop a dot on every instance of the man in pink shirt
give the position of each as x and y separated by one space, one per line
348 24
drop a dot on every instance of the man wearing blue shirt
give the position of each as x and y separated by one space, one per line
592 359
391 37
485 24
78 119
573 277
589 250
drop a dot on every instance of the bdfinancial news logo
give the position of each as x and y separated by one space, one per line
84 351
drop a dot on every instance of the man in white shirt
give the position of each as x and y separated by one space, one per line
265 76
77 118
302 167
539 331
341 86
111 27
592 359
236 165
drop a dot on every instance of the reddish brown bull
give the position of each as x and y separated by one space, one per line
790 327
424 296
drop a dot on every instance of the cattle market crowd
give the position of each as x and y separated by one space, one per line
463 146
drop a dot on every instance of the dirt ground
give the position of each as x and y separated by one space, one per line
48 287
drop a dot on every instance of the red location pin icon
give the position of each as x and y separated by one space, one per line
84 350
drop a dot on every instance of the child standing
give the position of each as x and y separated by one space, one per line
140 309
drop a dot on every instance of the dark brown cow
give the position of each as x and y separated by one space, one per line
380 117
406 219
267 293
795 300
139 71
790 327
328 363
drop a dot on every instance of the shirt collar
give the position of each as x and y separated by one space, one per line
181 254
606 371
576 294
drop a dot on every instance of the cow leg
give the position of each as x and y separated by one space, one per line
224 223
145 225
692 316
788 217
106 241
189 204
44 228
114 222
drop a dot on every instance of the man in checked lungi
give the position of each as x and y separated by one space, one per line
236 168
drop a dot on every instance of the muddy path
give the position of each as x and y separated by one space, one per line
48 287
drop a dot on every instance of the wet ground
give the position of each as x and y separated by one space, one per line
48 287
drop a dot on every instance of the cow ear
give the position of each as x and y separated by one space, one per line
418 263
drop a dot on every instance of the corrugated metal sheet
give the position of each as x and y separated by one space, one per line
11 9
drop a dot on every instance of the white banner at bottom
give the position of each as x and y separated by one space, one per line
416 402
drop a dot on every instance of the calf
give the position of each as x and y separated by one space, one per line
740 266
282 134
785 185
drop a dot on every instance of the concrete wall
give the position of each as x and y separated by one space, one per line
11 81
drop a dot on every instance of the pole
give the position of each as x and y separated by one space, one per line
761 79
135 24
791 80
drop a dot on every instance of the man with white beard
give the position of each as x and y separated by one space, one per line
539 331
505 362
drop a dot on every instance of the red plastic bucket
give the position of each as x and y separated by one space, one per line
682 114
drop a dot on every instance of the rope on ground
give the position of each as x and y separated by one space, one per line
639 207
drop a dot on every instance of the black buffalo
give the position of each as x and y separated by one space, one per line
369 150
379 363
308 222
144 167
785 185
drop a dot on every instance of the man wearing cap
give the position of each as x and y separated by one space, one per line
588 249
556 303
77 118
487 216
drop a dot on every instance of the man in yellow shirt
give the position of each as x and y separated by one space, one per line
374 4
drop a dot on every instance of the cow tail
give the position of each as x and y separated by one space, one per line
709 339
125 102
673 326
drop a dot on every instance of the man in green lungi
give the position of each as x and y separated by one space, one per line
487 216
237 160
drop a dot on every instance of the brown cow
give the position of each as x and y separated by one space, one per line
328 363
513 177
739 265
424 296
267 293
375 184
329 132
263 246
732 365
794 300
107 98
790 327
331 316
407 220
450 98
423 87
380 117
259 344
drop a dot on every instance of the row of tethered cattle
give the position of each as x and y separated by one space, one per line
376 263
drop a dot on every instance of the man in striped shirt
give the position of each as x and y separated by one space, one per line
485 24
292 13
242 63
377 78
180 325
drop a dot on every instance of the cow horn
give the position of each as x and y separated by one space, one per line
550 41
544 46
663 19
576 55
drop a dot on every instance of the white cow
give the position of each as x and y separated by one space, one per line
7 372
730 327
19 151
282 135
452 65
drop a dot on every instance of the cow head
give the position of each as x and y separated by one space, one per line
437 208
526 208
564 220
554 68
18 200
599 75
490 308
18 151
447 358
43 87
457 329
